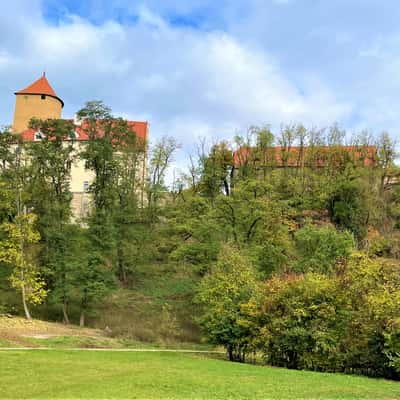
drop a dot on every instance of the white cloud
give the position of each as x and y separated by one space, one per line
187 83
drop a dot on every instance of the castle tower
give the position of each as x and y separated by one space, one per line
37 100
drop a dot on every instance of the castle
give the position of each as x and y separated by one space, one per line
39 100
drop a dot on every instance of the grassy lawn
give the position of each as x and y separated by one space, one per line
18 332
93 342
60 374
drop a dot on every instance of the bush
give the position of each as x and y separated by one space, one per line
222 293
320 248
299 323
348 322
348 208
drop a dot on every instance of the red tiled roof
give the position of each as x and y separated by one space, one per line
295 156
41 86
139 127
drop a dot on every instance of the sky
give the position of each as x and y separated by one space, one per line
210 69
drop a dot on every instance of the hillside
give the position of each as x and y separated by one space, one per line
18 332
292 255
156 310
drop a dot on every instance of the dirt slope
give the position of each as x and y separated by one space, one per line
18 331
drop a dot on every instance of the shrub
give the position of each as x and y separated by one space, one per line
347 322
222 292
348 208
320 248
299 323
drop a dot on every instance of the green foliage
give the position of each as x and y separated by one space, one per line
298 322
346 323
271 257
194 237
16 252
270 196
373 285
348 208
392 344
216 171
222 292
50 164
6 154
113 153
320 249
102 130
161 158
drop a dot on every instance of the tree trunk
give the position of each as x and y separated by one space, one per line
26 309
23 292
121 265
230 353
226 186
82 319
65 313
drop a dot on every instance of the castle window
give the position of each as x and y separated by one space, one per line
43 97
85 186
38 136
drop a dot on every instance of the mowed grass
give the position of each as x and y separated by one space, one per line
58 374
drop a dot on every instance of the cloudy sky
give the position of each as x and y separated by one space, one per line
207 68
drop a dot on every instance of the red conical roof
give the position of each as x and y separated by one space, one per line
41 86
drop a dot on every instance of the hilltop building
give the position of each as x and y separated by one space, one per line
39 100
305 156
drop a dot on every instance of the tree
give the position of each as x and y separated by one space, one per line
217 174
348 208
15 250
9 172
103 131
195 237
19 234
386 156
130 158
161 158
371 336
6 154
66 258
299 322
230 284
105 134
50 173
93 279
344 322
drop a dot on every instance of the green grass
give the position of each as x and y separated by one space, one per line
93 342
42 374
157 308
6 343
85 342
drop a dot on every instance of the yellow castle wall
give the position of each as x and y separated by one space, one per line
28 106
32 105
81 178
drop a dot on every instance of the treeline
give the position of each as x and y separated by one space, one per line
298 240
294 236
52 257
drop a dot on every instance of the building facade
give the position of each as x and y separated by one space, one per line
39 100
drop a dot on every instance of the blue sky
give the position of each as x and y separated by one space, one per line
202 68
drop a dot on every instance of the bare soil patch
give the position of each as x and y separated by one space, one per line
16 330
